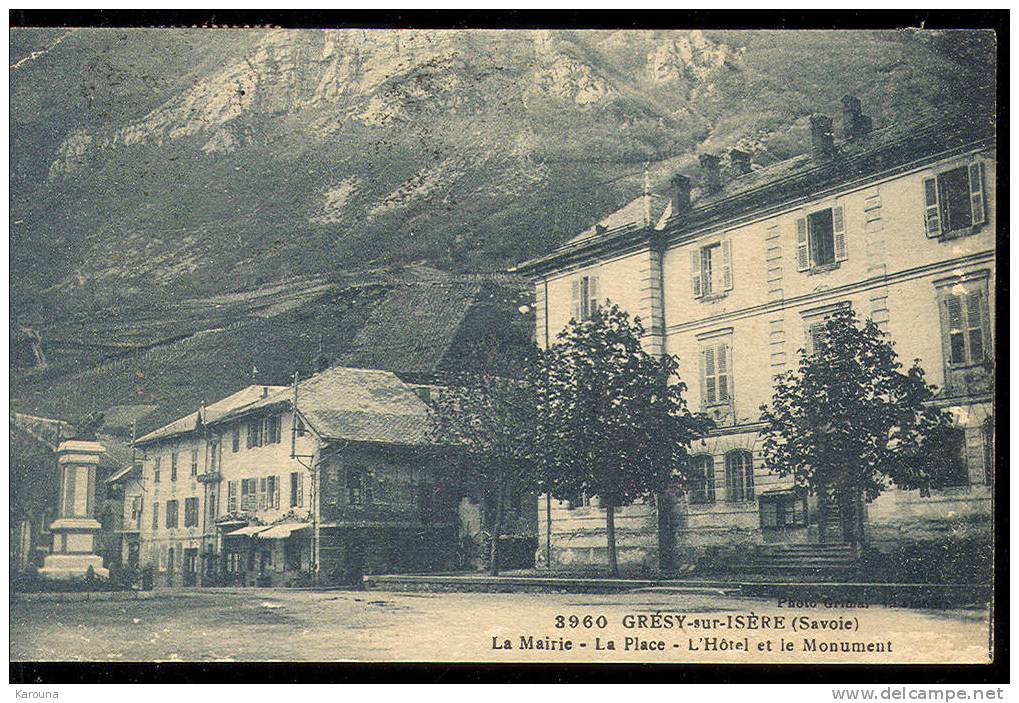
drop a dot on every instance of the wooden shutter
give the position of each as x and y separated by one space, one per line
976 193
802 245
839 232
710 381
276 495
592 295
695 273
727 264
932 207
722 362
261 493
975 326
575 299
956 335
300 488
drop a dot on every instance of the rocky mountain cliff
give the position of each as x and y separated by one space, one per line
153 165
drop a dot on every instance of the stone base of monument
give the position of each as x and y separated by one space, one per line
74 543
72 566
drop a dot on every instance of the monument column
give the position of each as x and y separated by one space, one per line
75 529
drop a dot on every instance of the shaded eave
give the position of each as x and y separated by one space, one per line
802 185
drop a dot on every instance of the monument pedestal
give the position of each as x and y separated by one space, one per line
75 529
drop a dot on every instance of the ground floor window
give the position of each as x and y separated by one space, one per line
739 476
785 509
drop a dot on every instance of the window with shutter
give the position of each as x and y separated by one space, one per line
584 297
171 514
965 333
821 239
593 296
954 200
932 209
727 264
723 373
839 232
695 273
813 337
710 378
821 233
231 497
976 192
802 245
964 315
715 371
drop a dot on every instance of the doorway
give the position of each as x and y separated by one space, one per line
191 567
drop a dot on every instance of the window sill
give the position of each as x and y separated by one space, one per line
959 233
825 268
713 297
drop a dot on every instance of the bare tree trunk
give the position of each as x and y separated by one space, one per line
493 566
610 531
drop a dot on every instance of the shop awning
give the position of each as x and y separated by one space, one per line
283 530
249 531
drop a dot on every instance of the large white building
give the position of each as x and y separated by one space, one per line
898 223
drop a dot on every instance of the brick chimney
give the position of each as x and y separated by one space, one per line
854 122
739 162
711 175
680 194
822 140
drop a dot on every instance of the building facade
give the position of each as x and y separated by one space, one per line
318 483
897 224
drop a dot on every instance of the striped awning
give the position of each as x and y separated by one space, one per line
283 530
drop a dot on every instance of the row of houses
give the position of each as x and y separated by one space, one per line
334 476
315 481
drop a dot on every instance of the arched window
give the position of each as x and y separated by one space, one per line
702 479
739 476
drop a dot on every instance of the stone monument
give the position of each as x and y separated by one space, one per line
75 529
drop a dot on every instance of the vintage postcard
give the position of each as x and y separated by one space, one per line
503 346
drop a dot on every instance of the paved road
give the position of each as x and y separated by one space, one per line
264 625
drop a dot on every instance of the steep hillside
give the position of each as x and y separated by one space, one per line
153 165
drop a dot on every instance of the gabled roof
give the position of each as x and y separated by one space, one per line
192 421
357 405
633 215
413 328
132 469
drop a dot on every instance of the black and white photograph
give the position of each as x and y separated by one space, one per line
521 345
